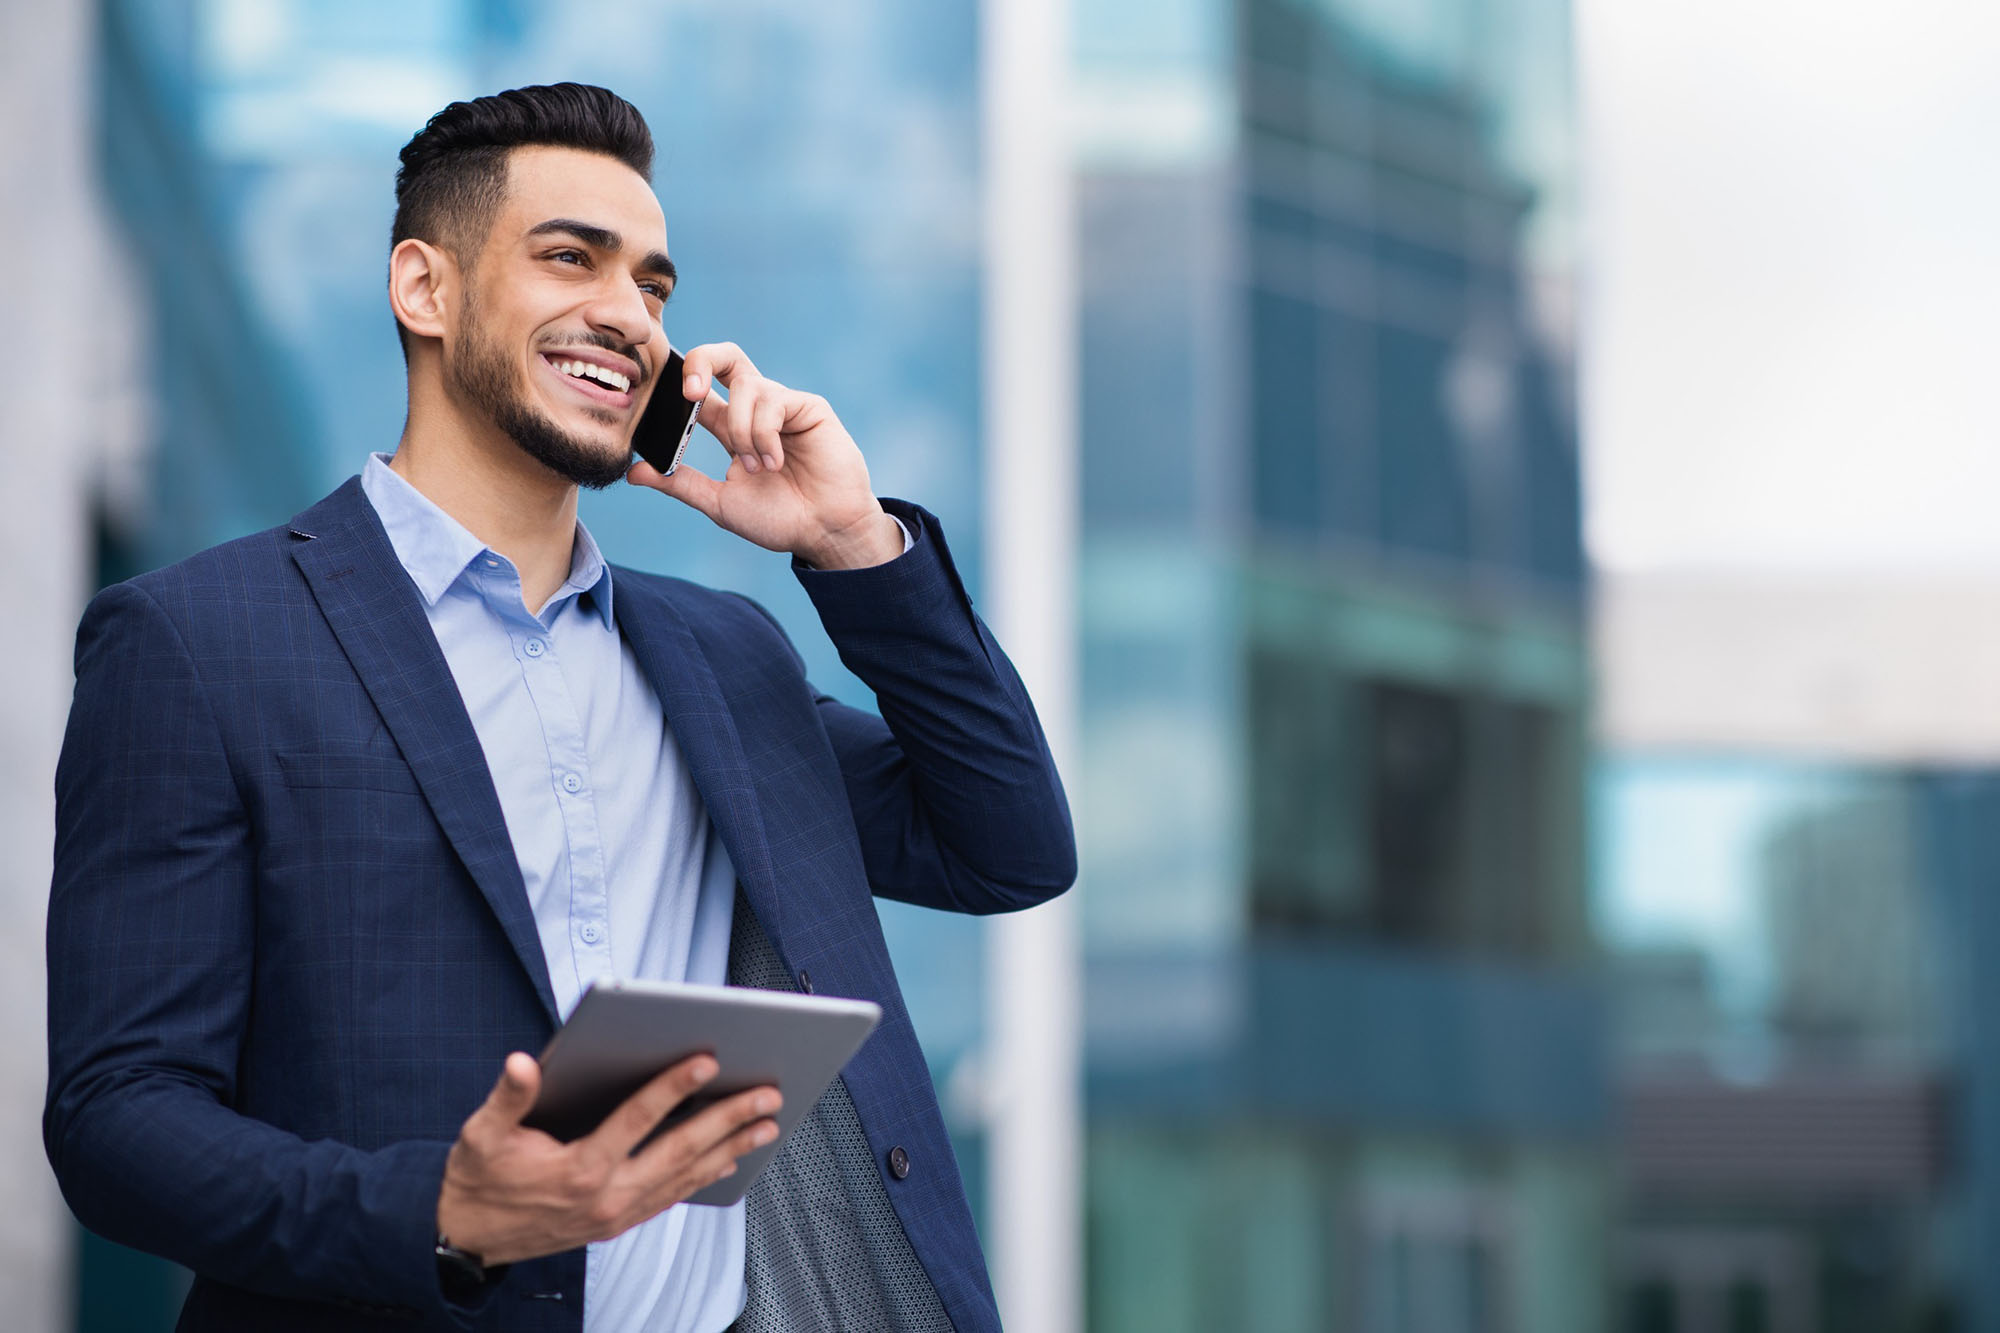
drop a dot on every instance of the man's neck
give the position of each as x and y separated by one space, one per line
506 499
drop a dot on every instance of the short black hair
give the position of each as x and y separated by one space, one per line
454 171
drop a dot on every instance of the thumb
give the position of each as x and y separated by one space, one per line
690 486
514 1094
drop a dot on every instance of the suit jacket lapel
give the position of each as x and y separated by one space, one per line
698 714
378 616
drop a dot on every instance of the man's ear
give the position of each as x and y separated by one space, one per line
423 284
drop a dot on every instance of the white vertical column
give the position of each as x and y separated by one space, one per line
1033 1066
76 309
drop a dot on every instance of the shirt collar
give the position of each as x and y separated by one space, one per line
588 573
436 548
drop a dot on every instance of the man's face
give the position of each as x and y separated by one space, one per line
558 338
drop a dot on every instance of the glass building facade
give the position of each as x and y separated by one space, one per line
1800 951
1346 1044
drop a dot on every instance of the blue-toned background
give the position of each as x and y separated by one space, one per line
1475 940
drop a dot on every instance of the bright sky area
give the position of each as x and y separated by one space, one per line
1792 284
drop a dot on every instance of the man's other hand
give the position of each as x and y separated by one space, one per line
515 1193
796 481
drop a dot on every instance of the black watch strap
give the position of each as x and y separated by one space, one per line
462 1274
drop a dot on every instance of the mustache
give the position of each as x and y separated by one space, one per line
606 343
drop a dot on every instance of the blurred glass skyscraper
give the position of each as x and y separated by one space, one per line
1346 1061
1345 1065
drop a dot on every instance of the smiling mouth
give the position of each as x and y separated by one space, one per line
598 383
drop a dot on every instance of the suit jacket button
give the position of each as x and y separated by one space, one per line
805 981
899 1163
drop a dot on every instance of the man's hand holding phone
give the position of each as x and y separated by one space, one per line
514 1193
796 480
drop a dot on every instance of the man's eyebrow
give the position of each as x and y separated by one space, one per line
607 240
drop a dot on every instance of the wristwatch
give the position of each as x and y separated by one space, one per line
463 1274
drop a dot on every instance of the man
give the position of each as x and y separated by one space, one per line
350 811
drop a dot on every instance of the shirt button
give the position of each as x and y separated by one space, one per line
590 932
536 647
805 981
899 1163
571 783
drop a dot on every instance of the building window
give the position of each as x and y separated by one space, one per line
1404 811
1433 1262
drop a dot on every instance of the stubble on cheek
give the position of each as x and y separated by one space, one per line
484 376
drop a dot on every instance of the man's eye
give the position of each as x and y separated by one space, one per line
569 257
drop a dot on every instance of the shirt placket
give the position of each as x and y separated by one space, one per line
589 932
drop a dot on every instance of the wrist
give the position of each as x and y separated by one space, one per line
458 1218
873 540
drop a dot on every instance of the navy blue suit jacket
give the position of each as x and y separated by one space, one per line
289 944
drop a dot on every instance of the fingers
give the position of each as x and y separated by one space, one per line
713 361
643 1110
515 1091
736 419
719 1160
741 1120
517 1193
703 1149
751 423
689 485
677 1165
767 424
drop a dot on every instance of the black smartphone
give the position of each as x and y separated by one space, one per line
668 421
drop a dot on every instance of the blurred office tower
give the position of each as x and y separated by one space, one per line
1345 1053
1798 796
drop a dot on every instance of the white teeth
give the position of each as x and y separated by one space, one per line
591 371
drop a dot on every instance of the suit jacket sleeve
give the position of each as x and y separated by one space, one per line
150 936
954 792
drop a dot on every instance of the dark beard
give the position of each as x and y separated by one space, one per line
483 375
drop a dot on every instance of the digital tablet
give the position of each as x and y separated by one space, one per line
622 1033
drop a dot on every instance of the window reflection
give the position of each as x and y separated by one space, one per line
1788 1058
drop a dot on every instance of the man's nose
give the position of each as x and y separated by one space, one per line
618 308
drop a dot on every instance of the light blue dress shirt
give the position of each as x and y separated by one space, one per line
624 871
